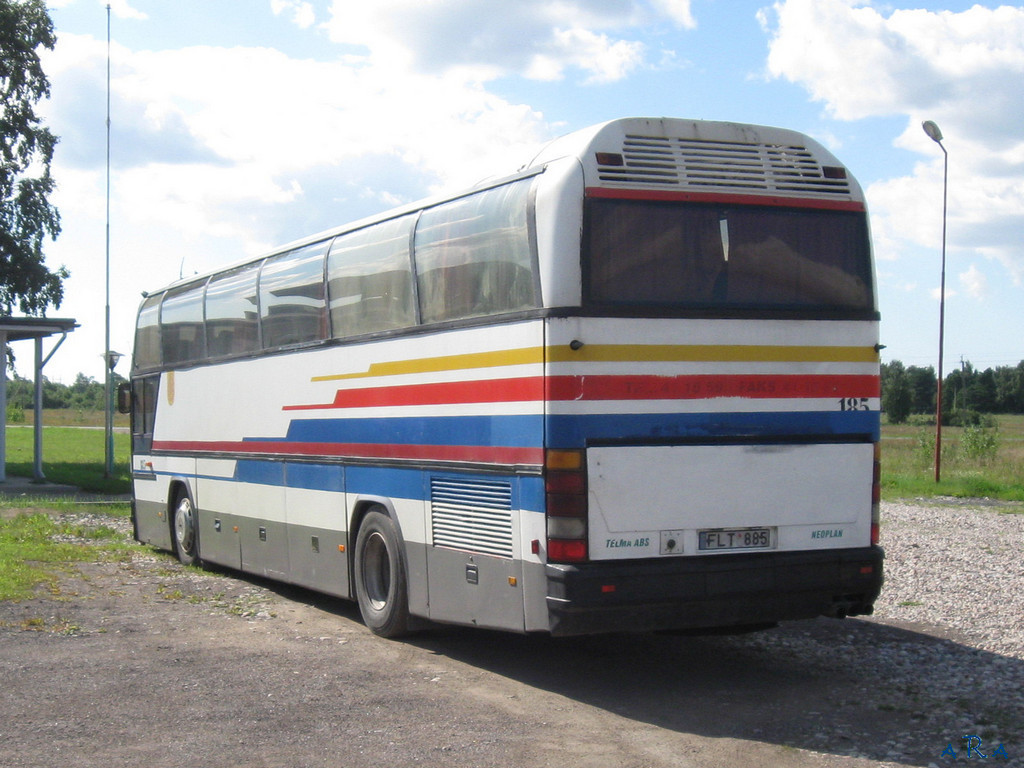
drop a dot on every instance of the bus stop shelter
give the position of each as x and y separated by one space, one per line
14 329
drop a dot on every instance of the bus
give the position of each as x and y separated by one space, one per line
631 386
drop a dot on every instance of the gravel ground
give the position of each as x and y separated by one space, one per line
941 659
954 571
958 565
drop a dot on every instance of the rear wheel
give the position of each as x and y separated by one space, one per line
185 530
381 584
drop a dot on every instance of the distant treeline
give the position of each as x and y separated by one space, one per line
85 394
966 392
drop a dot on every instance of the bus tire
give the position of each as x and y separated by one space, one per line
185 530
380 576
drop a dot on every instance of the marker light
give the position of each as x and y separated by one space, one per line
565 487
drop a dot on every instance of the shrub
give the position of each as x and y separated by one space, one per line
979 443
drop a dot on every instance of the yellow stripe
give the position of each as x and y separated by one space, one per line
498 359
620 353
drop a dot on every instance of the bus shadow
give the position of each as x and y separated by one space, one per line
851 688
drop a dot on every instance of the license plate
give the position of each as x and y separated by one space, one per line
735 538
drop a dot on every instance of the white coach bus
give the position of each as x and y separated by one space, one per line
632 386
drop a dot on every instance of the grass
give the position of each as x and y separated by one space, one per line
35 548
975 462
72 455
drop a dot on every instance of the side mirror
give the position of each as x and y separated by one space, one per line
124 397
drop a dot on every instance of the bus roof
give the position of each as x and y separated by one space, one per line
662 155
699 156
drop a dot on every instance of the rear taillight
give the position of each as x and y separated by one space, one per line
565 487
876 494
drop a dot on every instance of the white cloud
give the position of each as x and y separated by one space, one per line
974 282
678 10
220 154
535 38
861 63
302 13
122 9
963 70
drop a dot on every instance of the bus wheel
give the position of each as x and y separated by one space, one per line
380 576
186 540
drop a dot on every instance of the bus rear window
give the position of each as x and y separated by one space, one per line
687 256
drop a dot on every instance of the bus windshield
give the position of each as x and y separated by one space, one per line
686 256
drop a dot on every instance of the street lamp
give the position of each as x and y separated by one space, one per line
935 135
111 359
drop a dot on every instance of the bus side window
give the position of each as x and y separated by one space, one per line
292 303
474 257
182 332
232 326
369 279
144 392
147 335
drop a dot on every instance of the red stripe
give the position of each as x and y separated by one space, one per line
754 386
479 391
475 453
828 204
750 386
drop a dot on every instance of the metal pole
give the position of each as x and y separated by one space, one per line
108 421
3 406
37 429
942 319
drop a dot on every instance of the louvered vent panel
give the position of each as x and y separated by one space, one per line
727 166
475 515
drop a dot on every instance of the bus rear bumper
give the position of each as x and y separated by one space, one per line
712 592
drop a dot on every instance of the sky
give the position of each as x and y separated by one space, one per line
240 125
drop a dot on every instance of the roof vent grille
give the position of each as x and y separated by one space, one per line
651 161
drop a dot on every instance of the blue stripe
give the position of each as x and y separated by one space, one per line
531 494
510 431
384 481
528 492
576 431
572 431
259 472
316 477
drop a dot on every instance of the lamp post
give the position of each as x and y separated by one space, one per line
108 356
111 359
935 135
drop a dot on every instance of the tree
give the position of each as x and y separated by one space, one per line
26 150
896 394
922 386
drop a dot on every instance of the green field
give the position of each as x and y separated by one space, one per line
72 455
976 462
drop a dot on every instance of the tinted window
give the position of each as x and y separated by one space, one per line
144 397
232 322
473 255
684 255
293 308
370 279
147 334
181 326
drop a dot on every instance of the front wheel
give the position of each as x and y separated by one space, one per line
186 537
381 585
